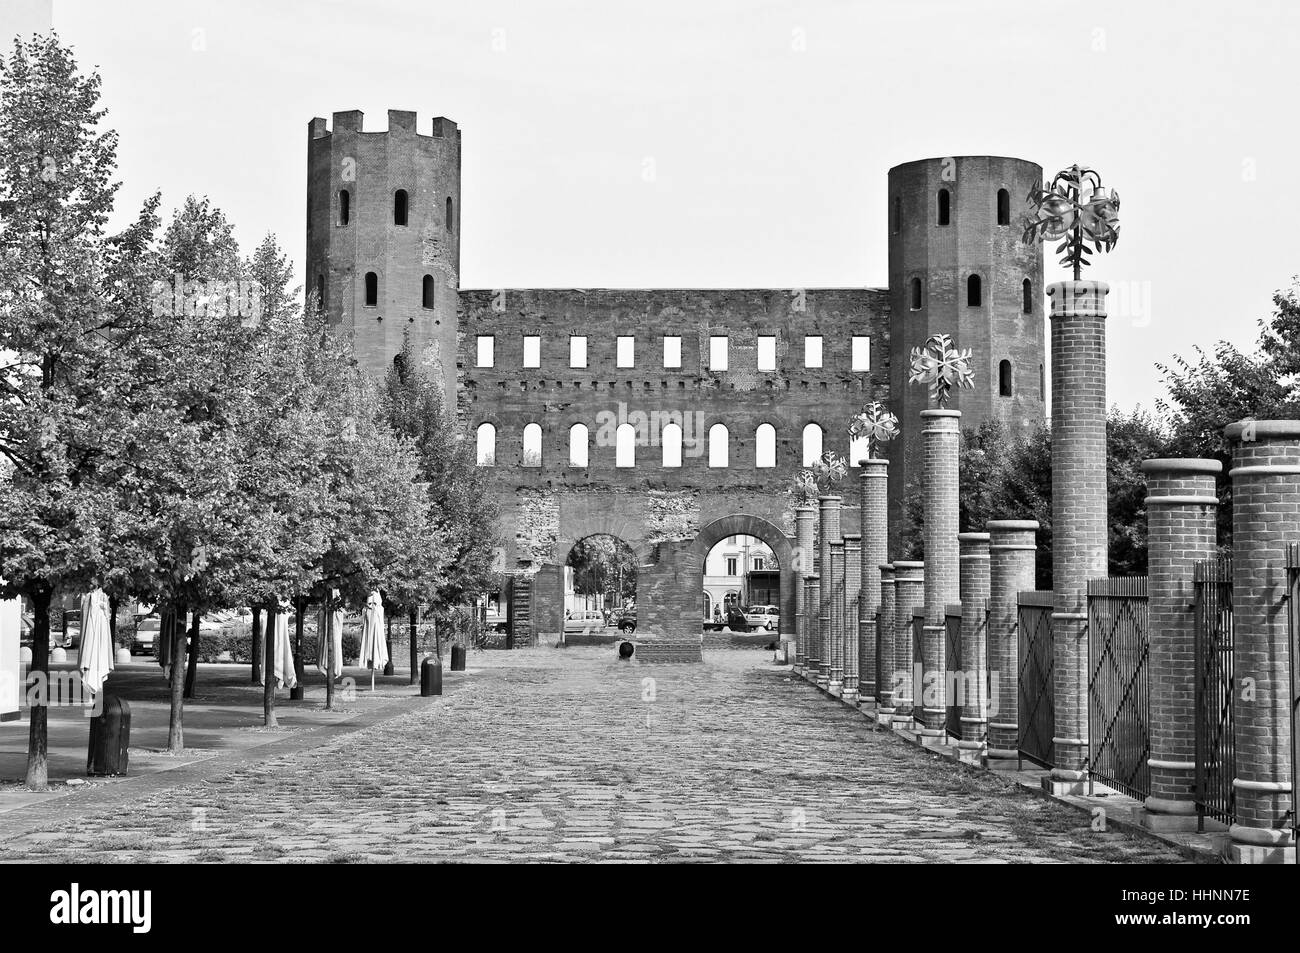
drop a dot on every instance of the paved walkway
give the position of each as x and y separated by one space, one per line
571 755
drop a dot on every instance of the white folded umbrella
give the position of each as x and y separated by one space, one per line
95 657
374 648
329 639
285 675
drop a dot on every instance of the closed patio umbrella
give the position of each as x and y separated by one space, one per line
285 676
329 638
95 657
374 648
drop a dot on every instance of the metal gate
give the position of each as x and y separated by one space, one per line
1215 754
1035 702
1119 715
880 662
1293 632
917 675
953 669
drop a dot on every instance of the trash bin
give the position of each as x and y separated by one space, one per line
431 677
110 736
458 658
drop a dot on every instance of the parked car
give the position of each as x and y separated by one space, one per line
627 620
145 640
735 619
763 617
584 621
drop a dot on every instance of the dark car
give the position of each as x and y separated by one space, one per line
735 619
627 620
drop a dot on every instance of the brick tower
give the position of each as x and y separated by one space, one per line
383 237
957 265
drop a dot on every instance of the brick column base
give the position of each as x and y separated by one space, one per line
1013 557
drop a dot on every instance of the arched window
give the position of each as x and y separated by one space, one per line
426 291
399 207
857 450
372 289
670 441
487 445
1004 207
916 294
1042 383
1004 379
812 444
944 201
973 291
345 206
1027 296
450 225
532 456
625 446
320 292
718 445
708 605
898 214
578 445
765 446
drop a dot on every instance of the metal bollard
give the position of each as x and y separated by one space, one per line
431 677
110 736
458 658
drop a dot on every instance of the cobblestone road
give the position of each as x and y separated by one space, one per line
562 755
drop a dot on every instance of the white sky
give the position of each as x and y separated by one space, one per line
770 159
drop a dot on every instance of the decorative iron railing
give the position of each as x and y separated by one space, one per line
1215 752
1035 702
1119 712
955 683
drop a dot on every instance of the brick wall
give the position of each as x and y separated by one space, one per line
975 583
1013 558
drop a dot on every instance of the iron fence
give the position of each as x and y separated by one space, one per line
1035 703
1293 633
880 662
917 690
954 669
1215 752
1119 713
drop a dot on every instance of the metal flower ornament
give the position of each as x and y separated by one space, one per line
811 482
938 364
876 424
804 487
1075 207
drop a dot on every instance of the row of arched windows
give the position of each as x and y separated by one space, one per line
943 209
372 290
671 444
401 209
974 294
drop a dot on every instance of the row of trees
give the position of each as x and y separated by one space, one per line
175 426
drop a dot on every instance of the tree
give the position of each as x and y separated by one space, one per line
66 347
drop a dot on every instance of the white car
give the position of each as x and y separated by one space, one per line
763 617
584 622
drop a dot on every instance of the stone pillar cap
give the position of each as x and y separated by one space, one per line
886 567
973 537
847 536
1082 286
1181 465
829 497
908 564
807 507
1281 429
1011 525
937 412
874 462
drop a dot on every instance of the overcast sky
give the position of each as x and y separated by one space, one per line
769 128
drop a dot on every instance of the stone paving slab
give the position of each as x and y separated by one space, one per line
560 755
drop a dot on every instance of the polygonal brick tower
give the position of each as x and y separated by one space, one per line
383 237
957 265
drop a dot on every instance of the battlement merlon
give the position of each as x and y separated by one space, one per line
400 121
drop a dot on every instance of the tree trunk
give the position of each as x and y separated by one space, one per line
412 616
257 646
325 636
175 729
112 622
268 667
38 678
437 641
299 670
388 641
192 665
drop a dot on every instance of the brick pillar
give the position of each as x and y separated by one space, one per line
940 434
885 645
829 532
1181 510
1265 517
852 594
805 532
972 677
1013 559
836 685
1078 511
812 665
814 673
909 588
873 515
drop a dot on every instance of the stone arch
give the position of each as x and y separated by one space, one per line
747 524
